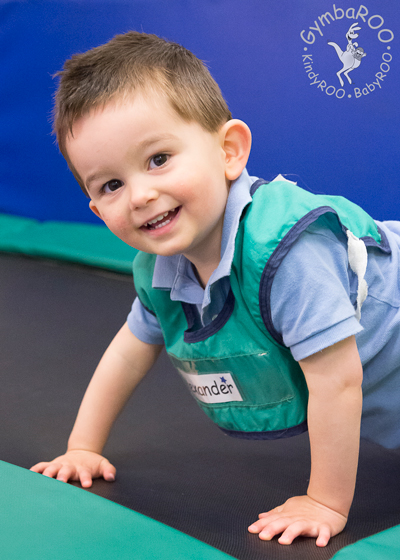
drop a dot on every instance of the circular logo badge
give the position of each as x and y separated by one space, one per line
347 52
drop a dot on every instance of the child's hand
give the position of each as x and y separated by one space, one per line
300 515
78 465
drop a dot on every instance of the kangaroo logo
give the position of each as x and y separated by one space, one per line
372 75
352 56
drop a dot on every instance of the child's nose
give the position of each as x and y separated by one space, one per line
142 195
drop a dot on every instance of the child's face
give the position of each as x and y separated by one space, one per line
157 181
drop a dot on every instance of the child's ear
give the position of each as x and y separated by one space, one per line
235 138
94 209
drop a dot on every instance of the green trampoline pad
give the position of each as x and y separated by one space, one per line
47 519
89 244
382 546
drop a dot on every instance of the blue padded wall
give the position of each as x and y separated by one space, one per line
273 63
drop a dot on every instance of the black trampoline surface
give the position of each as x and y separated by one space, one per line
172 463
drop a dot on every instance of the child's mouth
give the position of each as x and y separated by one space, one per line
162 220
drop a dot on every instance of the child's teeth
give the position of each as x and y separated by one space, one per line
160 217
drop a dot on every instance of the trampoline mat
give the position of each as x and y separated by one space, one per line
173 464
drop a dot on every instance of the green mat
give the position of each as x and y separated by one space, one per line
89 244
382 546
44 519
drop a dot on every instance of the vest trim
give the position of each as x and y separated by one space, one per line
282 250
213 327
384 246
147 309
257 184
227 309
273 434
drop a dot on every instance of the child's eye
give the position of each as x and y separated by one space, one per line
158 160
112 186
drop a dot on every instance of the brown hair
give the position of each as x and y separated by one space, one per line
136 61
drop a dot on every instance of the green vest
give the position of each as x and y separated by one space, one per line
237 367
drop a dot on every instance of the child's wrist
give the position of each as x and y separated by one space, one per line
80 448
331 503
83 446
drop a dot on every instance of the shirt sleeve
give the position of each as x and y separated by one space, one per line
313 293
144 325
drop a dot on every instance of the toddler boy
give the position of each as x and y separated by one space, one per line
256 290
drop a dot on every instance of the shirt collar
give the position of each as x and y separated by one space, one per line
175 272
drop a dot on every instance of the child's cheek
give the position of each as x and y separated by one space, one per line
118 224
184 191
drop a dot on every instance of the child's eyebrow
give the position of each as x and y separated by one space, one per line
148 142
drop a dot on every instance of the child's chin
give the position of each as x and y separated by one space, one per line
168 252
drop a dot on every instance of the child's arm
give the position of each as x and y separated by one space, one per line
334 378
124 364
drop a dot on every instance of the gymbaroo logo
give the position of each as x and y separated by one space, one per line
347 52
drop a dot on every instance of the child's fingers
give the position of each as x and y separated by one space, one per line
269 528
261 523
80 466
296 529
299 516
271 512
255 527
107 470
303 528
85 478
52 470
39 467
273 528
324 536
65 473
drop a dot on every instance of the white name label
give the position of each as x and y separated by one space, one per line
212 387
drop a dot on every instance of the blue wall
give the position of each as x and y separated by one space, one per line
340 140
